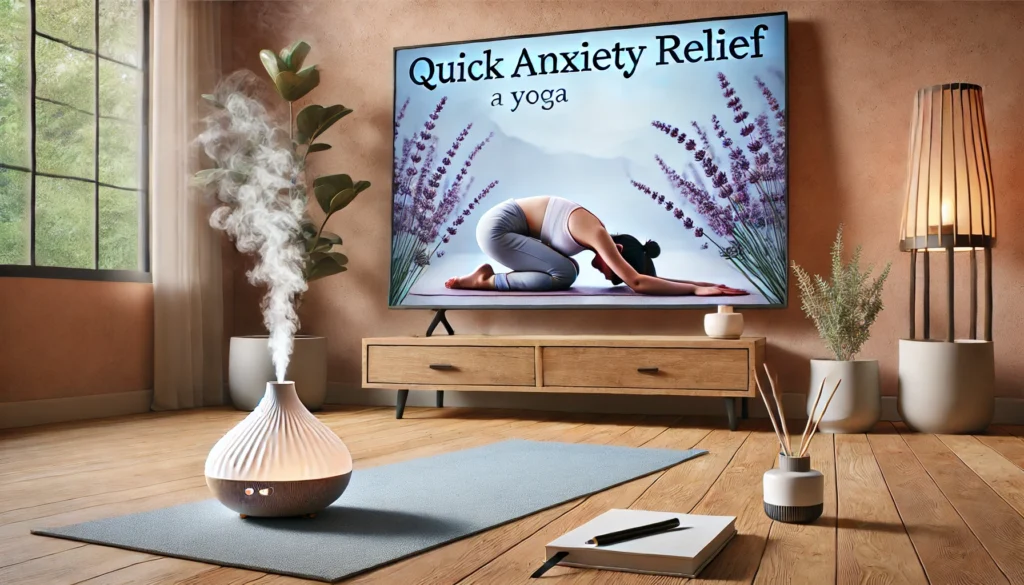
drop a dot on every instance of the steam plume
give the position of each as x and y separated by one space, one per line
254 184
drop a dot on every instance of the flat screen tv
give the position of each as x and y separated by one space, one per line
641 166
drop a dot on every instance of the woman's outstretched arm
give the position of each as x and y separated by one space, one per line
653 285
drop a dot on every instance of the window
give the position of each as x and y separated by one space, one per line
73 139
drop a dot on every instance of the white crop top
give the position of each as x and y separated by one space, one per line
555 230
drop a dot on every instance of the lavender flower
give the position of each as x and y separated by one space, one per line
747 213
429 185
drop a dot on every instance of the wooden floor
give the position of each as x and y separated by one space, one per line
899 507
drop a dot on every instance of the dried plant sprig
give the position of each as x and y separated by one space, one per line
844 309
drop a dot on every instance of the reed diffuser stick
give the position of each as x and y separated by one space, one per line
820 416
771 416
782 411
810 416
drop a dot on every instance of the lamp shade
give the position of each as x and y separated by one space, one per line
950 202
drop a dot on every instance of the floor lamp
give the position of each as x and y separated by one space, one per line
947 384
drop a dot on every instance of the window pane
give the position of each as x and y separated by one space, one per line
69 20
64 223
119 153
120 91
121 30
119 229
65 141
14 222
65 75
14 94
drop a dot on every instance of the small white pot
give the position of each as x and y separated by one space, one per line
947 387
724 324
857 405
250 368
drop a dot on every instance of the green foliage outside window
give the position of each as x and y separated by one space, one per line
66 125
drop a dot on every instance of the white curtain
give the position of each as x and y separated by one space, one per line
186 251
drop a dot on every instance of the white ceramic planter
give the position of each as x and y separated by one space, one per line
947 387
279 461
857 405
724 324
250 368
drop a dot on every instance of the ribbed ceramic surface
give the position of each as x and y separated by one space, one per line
279 441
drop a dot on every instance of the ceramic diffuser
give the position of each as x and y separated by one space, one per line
279 461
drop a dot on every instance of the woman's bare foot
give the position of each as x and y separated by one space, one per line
480 279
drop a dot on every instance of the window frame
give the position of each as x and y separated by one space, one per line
32 270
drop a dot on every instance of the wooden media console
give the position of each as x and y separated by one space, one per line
585 364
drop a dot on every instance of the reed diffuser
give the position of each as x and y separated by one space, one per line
793 492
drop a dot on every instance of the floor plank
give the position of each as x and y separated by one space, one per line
994 523
872 545
948 550
1006 444
806 553
1002 476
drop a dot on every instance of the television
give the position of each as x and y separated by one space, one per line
517 160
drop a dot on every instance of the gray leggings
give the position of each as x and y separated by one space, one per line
503 234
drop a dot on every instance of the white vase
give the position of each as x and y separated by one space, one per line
857 404
250 368
946 387
725 324
279 461
794 492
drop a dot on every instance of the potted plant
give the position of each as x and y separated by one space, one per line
843 310
250 366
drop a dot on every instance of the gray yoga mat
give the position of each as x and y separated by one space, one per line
388 512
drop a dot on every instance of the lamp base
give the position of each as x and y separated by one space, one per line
946 387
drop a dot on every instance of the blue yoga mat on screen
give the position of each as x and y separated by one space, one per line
388 512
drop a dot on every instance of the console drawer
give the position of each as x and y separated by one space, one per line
668 368
450 365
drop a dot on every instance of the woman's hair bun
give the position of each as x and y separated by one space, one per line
652 249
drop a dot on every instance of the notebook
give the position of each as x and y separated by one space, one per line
681 553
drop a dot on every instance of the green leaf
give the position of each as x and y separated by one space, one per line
272 63
318 147
293 86
333 238
341 200
294 55
207 176
314 120
323 264
362 186
325 188
213 100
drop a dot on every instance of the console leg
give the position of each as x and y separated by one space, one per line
403 395
730 411
439 319
744 414
440 398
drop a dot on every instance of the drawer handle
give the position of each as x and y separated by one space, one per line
651 370
442 367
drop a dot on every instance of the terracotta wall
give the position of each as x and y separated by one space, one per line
73 338
854 68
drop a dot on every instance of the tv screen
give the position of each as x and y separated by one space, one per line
641 166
